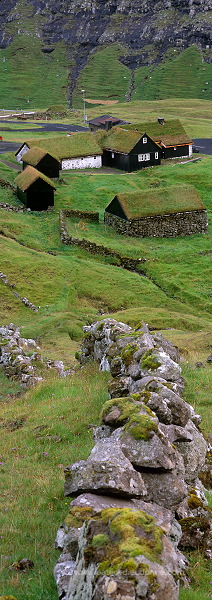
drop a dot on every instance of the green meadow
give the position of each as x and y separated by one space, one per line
50 425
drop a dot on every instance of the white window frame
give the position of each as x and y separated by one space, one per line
112 155
144 140
156 155
143 157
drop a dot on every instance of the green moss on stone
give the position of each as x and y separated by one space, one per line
126 406
149 361
141 427
131 533
77 516
100 539
128 352
145 396
194 501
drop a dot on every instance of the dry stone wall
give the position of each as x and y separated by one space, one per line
121 539
127 262
170 225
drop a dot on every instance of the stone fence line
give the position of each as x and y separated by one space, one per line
127 262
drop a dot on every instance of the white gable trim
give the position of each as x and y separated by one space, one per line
22 151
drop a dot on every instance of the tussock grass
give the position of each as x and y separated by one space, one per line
32 461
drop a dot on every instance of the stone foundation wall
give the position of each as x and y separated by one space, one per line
170 225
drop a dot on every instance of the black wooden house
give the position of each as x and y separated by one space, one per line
129 150
43 161
169 135
34 189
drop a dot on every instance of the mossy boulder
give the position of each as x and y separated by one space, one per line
123 554
127 534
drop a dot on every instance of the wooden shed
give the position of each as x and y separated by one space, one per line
43 161
34 189
104 122
163 212
129 150
169 135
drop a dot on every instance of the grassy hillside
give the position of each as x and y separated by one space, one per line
32 78
50 425
180 75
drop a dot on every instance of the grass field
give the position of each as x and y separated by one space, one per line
174 297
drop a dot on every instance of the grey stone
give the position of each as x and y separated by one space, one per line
168 488
168 369
194 452
167 346
153 453
63 571
180 410
119 387
106 470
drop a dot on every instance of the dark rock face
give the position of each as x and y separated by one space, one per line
86 26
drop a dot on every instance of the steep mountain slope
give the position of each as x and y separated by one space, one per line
67 37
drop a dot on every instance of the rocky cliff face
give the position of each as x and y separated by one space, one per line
146 30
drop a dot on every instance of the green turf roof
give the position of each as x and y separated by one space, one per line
35 154
77 144
121 140
160 201
171 133
29 176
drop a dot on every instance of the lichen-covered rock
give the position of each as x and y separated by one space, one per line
153 453
167 346
106 470
169 406
194 452
146 460
120 387
167 488
63 571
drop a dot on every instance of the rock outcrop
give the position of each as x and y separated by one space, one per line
120 539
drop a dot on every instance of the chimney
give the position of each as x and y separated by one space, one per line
161 120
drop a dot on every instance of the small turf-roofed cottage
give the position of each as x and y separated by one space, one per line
169 135
35 189
129 150
80 150
163 212
41 160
